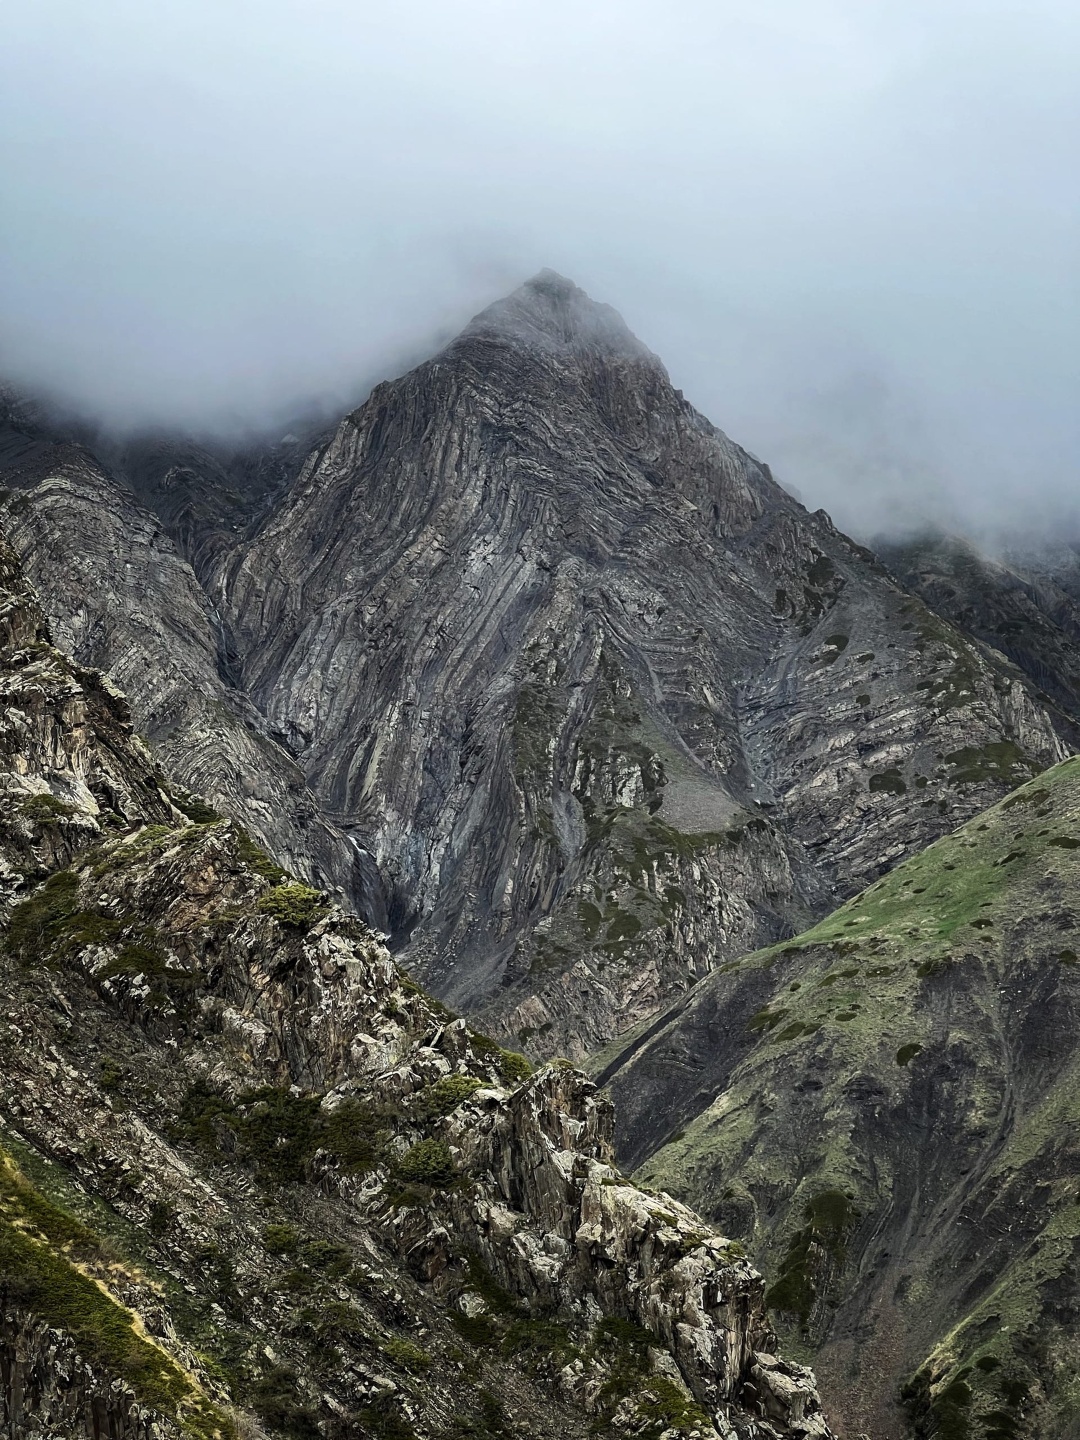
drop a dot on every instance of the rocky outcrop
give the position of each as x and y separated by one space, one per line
72 771
252 1179
120 598
47 1389
1026 606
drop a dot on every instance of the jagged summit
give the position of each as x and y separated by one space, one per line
549 312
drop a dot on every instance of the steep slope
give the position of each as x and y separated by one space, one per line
887 1111
209 495
252 1181
604 703
1026 606
121 599
607 705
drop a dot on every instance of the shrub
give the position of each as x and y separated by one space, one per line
358 1134
325 1255
281 1240
428 1162
512 1067
195 808
444 1096
36 922
45 808
275 1400
664 1407
257 859
407 1355
293 904
476 1329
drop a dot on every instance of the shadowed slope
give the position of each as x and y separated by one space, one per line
888 1110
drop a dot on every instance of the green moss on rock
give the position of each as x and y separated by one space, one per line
293 904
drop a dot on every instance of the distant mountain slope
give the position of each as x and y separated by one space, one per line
887 1110
1026 606
604 703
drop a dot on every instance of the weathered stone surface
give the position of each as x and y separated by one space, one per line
121 599
47 1391
301 1162
607 706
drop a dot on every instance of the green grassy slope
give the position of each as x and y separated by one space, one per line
888 1109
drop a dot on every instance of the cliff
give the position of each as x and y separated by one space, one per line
254 1181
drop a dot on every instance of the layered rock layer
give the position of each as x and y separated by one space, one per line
254 1181
604 703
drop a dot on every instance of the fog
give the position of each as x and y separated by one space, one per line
849 229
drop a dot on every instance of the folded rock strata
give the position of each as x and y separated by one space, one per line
255 1181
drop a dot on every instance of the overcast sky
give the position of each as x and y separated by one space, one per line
850 229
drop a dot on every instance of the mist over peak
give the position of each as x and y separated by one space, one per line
849 231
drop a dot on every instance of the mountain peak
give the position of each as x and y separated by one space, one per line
549 312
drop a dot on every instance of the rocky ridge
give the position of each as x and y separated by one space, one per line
255 1181
125 601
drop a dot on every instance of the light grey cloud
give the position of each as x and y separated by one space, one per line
849 228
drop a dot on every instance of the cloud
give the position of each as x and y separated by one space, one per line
850 229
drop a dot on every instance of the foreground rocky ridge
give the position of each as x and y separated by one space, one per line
887 1111
254 1181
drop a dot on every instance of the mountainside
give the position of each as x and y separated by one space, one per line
887 1111
1026 606
534 674
254 1182
122 599
604 703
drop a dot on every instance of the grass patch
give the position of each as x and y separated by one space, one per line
46 809
295 905
195 808
41 1248
257 859
512 1067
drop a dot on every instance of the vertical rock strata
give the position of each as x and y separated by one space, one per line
605 704
234 1135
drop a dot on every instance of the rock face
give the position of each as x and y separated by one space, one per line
588 684
604 703
885 1111
1027 606
607 705
47 1390
254 1181
122 599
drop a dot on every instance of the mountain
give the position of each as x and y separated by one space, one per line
254 1182
887 1111
122 598
1027 606
526 669
604 705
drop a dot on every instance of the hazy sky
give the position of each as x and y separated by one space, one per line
850 229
